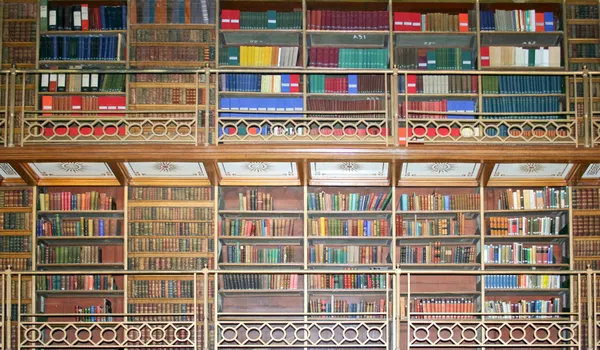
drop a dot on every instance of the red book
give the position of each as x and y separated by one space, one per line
85 19
121 103
539 21
411 81
319 20
53 82
485 56
235 19
398 21
415 19
327 20
463 22
309 20
76 104
384 20
294 83
226 19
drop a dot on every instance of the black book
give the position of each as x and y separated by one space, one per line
76 17
52 18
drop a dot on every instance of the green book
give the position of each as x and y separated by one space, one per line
431 60
234 56
466 60
531 61
271 19
44 15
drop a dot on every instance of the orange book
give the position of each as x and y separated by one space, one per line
46 104
463 22
188 11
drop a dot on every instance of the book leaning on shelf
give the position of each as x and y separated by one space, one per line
67 201
255 199
76 282
518 21
89 312
347 309
255 281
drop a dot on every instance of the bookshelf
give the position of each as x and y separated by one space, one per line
170 228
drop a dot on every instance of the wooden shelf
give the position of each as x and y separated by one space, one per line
424 239
86 93
82 32
170 254
132 300
526 266
170 26
532 211
412 266
443 293
77 266
526 291
262 239
585 212
92 240
375 240
191 64
242 93
16 254
349 213
86 62
167 43
265 266
425 212
254 213
168 220
165 236
333 266
15 233
79 212
529 238
16 209
441 32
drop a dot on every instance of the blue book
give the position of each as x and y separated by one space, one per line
353 84
65 53
103 18
285 83
548 21
123 17
404 202
151 10
101 227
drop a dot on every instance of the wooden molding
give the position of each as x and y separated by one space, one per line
515 182
438 182
212 172
79 182
120 172
169 182
13 182
303 167
260 182
26 173
576 173
485 173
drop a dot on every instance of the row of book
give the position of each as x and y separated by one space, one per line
83 103
25 289
170 193
159 312
62 82
255 199
322 254
16 221
179 244
523 309
82 227
431 227
82 17
167 96
332 57
438 201
376 104
517 21
154 289
586 248
69 201
16 198
9 244
525 226
586 198
17 32
322 201
69 254
20 10
100 310
442 308
423 109
347 20
15 264
16 310
586 225
260 56
522 84
347 281
523 282
346 84
525 199
411 58
173 12
173 213
582 11
257 227
256 281
436 253
164 53
522 104
82 47
251 107
23 55
583 31
259 83
330 227
517 253
170 228
348 309
76 282
434 22
515 56
165 78
168 264
250 254
438 84
173 36
271 19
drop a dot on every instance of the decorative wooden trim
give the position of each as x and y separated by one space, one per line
170 182
453 182
576 173
64 181
26 173
485 173
260 182
120 172
515 182
13 182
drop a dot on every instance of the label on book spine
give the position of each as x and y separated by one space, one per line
77 18
52 19
43 11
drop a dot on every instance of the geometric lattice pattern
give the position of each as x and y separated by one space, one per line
337 334
491 131
533 333
99 130
304 130
87 335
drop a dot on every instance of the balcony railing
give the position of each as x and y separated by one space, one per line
410 310
195 107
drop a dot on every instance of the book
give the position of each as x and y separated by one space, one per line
518 253
259 281
230 227
523 199
16 198
524 309
431 227
437 253
250 254
324 226
443 308
438 201
434 22
515 56
15 244
347 20
349 309
331 57
348 201
68 201
77 282
525 226
260 56
73 17
102 47
523 282
323 254
174 12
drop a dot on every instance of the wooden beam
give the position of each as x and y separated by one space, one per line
576 173
303 171
212 172
397 172
485 173
120 171
26 173
349 152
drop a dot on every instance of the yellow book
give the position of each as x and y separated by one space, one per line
242 57
361 228
266 57
322 224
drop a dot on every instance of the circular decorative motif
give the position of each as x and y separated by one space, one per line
349 167
165 167
441 168
258 167
531 168
72 167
